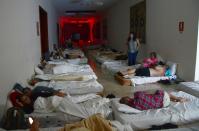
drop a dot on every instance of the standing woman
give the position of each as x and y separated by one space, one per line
133 46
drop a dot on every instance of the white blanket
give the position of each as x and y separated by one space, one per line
68 77
74 87
66 105
176 113
190 87
116 66
71 68
78 61
138 80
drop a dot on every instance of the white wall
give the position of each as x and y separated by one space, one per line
163 35
19 43
118 25
162 31
197 57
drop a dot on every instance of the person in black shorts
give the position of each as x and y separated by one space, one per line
158 70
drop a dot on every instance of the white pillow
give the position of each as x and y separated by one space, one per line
38 71
124 108
61 69
172 66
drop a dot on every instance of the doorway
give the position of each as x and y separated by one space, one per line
43 17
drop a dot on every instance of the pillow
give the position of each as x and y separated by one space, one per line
124 108
172 66
38 71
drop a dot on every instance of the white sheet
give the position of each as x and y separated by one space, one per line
78 61
71 68
75 87
138 80
190 87
80 76
116 66
176 113
67 106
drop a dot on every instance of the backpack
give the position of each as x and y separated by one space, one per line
14 119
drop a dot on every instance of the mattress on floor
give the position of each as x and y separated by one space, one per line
78 61
190 87
55 119
138 80
176 113
81 106
123 81
75 87
81 76
115 66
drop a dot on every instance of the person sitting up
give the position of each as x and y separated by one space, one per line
158 70
152 61
145 101
29 96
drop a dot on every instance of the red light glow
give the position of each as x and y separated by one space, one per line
70 25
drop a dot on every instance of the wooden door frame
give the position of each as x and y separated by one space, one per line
43 19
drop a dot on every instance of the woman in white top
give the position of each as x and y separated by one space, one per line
133 46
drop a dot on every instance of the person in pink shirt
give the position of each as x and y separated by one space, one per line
152 61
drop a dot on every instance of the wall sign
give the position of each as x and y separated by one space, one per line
181 26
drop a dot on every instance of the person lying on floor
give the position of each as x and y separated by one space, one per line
145 101
29 96
95 122
159 70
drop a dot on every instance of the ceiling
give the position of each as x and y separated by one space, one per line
81 5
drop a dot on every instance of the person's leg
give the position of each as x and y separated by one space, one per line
134 56
129 58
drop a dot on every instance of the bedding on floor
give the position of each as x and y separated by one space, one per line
176 113
190 87
74 87
115 66
81 76
138 80
83 108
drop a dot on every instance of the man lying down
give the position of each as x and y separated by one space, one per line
158 70
145 101
48 100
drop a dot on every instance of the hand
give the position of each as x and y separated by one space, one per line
181 100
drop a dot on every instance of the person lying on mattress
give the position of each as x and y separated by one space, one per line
160 70
145 101
30 96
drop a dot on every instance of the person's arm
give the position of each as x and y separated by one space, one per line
138 43
177 99
46 92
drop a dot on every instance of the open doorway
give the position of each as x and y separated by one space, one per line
197 59
43 17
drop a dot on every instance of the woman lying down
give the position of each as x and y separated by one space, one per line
145 101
